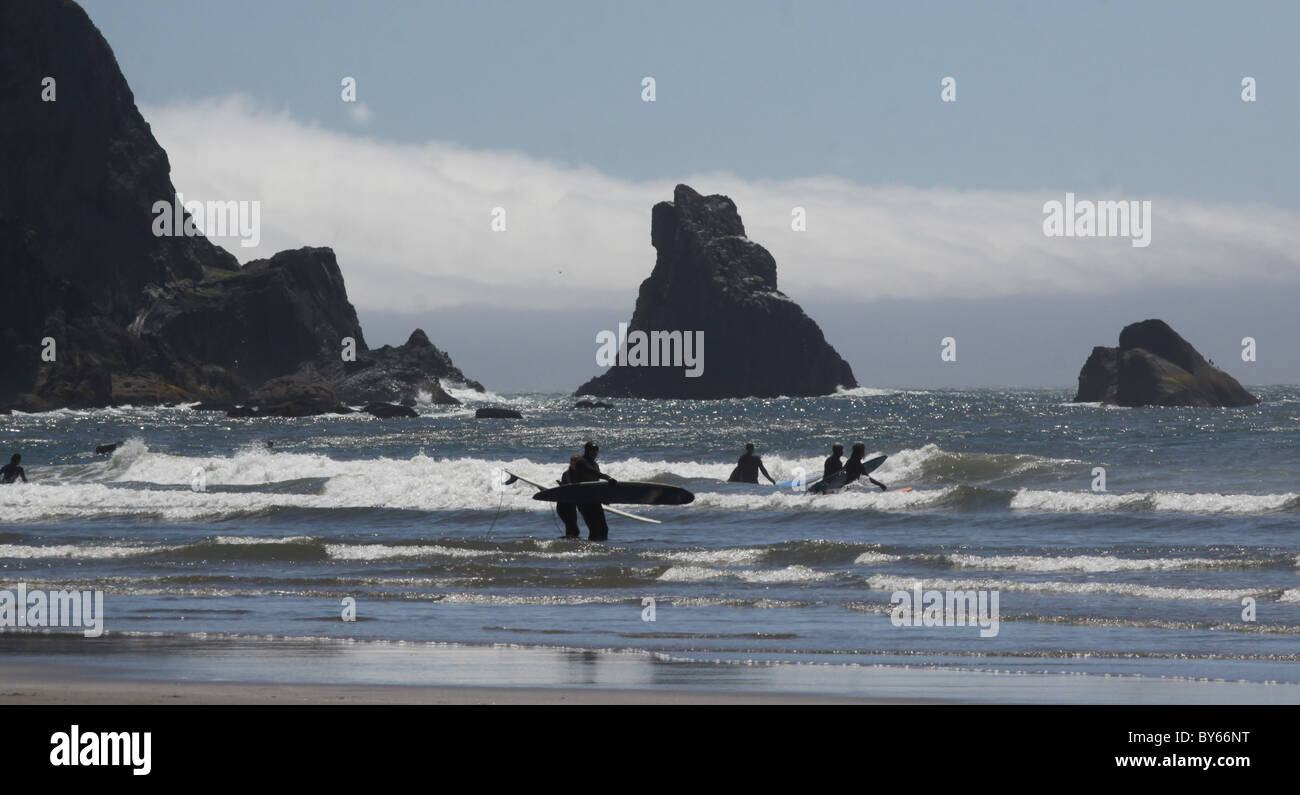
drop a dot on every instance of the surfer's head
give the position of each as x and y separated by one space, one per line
15 459
590 449
859 449
749 447
837 449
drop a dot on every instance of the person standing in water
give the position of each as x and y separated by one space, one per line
586 470
748 466
854 469
568 511
11 471
834 463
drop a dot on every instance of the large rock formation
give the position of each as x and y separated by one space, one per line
90 361
84 170
1154 366
138 318
262 321
709 277
398 374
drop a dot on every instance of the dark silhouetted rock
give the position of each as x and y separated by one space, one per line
303 394
498 414
593 404
708 277
96 363
397 374
85 170
262 321
138 319
1154 366
386 411
1099 378
105 449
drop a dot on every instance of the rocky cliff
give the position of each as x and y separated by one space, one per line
1155 366
61 351
84 170
708 277
262 321
138 318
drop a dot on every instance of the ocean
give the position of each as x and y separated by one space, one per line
1185 567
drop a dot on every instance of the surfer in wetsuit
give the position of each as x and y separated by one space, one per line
834 463
11 471
586 470
748 466
854 468
568 511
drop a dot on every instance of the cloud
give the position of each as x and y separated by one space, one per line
360 112
412 224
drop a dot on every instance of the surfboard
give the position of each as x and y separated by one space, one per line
627 492
540 487
785 484
836 481
833 483
905 488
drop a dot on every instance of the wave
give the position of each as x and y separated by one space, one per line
869 391
1096 563
1171 502
256 481
793 573
467 394
882 582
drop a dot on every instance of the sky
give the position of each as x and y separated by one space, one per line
924 218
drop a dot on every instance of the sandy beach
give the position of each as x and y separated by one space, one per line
36 688
126 670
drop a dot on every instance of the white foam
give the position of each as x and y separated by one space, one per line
883 582
467 394
1087 502
256 540
30 552
1097 563
871 391
724 557
388 551
867 558
794 573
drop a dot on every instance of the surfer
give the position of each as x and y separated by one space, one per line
568 511
854 468
586 470
748 466
834 463
11 471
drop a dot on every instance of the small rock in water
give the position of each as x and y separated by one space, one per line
388 410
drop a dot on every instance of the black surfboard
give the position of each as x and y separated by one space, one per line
624 492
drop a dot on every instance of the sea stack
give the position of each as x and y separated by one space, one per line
709 278
1155 366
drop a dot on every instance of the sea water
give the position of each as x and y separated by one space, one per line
351 529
